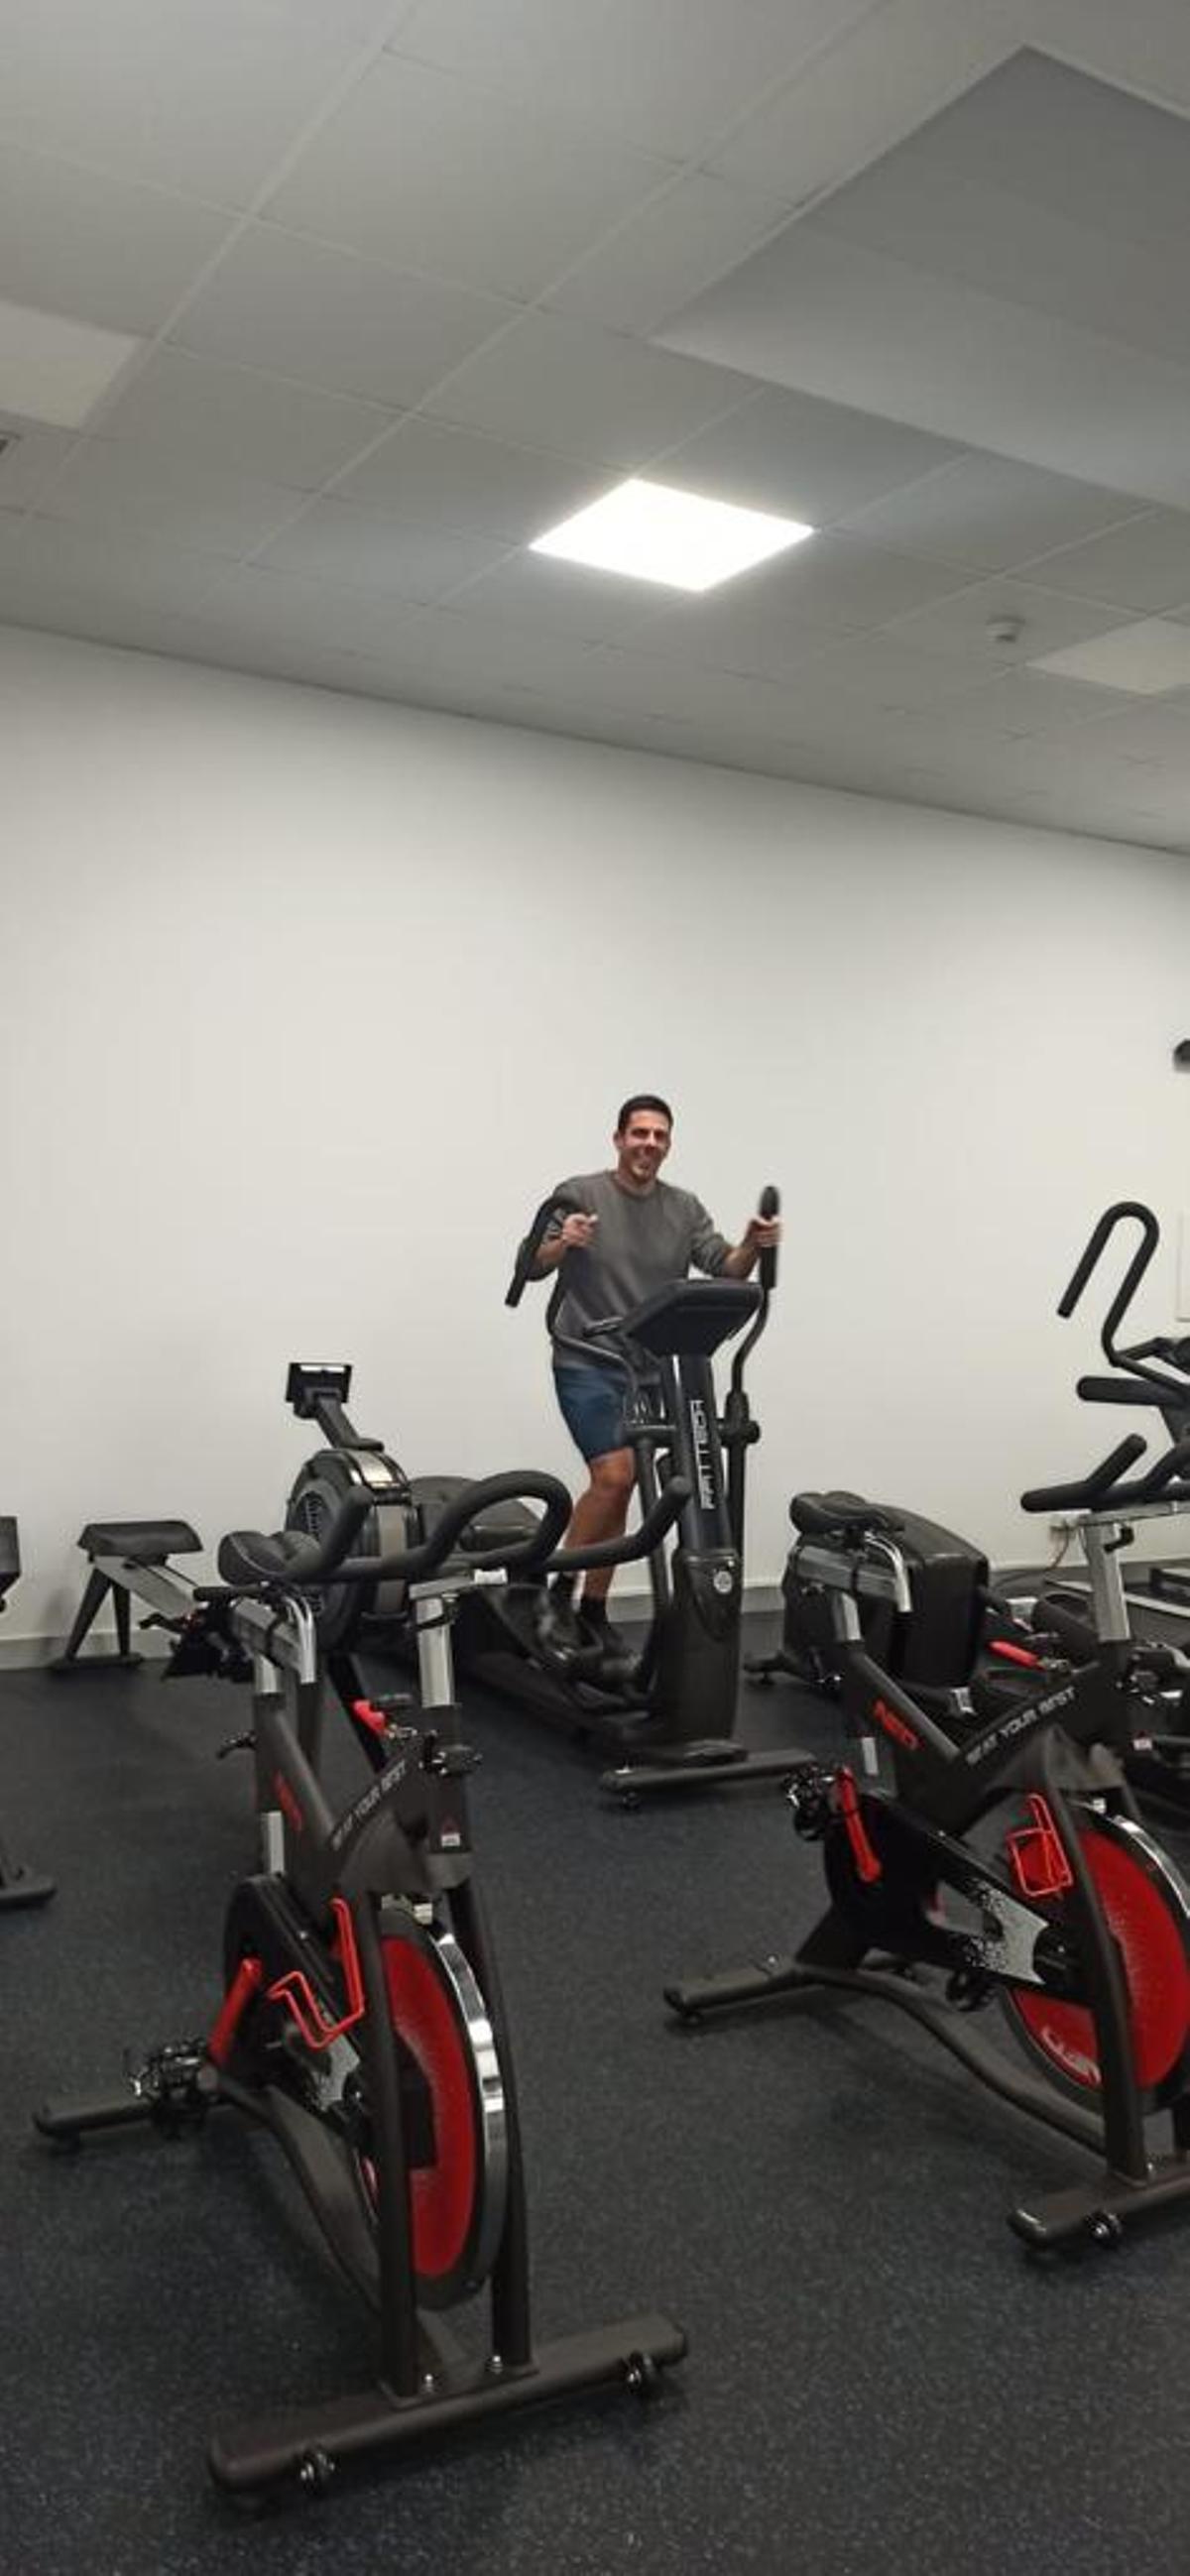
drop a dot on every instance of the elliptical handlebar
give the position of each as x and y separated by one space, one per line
560 1204
1091 1492
769 1206
667 1509
295 1561
288 1557
1106 1226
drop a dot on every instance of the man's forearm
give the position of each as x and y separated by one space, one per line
741 1261
548 1257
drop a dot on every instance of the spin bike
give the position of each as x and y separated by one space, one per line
361 2020
1003 1858
670 1713
961 1632
18 1885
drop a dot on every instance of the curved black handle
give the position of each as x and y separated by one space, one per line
1122 1390
1085 1492
1150 1238
670 1503
561 1204
291 1557
769 1206
410 1565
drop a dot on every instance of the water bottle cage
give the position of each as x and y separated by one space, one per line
295 1991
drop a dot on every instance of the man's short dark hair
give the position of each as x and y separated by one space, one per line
643 1100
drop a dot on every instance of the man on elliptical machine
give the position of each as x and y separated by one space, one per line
629 1235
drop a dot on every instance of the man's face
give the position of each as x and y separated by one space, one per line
642 1145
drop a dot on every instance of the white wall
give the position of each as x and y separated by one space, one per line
307 1000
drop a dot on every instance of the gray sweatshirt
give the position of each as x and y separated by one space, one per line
642 1243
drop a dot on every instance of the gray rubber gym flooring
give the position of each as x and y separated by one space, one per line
878 2380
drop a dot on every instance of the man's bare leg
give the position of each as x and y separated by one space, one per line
600 1513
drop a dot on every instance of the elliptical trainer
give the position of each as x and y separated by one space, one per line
671 1716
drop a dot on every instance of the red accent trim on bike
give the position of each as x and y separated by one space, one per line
1153 1954
288 1803
245 1983
443 2194
370 1716
295 1990
866 1863
1039 1864
1015 1654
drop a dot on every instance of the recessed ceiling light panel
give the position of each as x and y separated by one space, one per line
54 369
1150 657
653 532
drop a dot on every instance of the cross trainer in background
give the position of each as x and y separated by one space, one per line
362 2022
18 1884
669 1710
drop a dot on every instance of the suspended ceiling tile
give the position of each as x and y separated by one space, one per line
344 542
990 512
179 499
541 591
257 604
667 77
88 244
1148 658
760 623
231 415
791 453
1122 164
462 182
1046 619
679 243
447 478
303 309
28 459
855 327
894 672
55 372
200 95
889 71
550 382
97 567
1143 565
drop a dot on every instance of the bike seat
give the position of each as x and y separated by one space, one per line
834 1515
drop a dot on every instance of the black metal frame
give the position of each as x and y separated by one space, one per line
19 1885
888 1852
405 1844
672 1718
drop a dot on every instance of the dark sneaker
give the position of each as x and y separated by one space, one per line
557 1626
611 1641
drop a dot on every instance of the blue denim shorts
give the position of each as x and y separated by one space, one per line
593 1408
